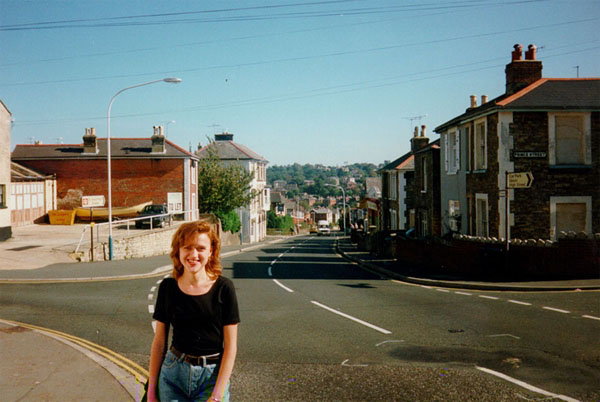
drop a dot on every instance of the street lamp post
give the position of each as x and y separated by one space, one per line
167 128
108 156
343 204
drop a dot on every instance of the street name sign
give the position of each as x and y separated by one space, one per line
529 154
519 180
91 201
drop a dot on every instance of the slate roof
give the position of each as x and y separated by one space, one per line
121 148
549 93
405 162
544 94
229 150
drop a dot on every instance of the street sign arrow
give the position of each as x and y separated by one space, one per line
519 180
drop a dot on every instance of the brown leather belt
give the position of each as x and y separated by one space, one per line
197 360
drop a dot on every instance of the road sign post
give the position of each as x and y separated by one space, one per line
513 180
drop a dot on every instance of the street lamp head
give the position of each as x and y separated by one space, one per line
172 80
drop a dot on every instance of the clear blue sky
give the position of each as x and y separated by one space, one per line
295 80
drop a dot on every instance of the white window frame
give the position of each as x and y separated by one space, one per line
587 200
478 214
393 186
477 164
452 151
587 137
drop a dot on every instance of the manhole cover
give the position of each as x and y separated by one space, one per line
22 248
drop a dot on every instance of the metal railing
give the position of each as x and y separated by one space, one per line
187 215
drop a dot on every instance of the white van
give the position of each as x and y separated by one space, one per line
323 228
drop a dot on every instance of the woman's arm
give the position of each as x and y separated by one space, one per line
157 354
229 352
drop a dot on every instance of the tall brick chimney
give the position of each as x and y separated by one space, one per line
225 136
419 141
90 142
158 140
520 73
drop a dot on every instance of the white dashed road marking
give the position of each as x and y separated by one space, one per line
556 309
519 302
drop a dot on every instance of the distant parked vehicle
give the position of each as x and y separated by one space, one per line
323 228
155 213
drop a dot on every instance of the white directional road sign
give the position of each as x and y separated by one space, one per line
519 180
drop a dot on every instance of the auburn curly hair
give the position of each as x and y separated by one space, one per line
184 234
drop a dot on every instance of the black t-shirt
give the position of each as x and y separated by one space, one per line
197 321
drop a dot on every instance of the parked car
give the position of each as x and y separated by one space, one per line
156 211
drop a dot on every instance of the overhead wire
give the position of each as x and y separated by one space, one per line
325 91
300 58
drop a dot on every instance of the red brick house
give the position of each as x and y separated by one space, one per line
546 126
143 169
426 184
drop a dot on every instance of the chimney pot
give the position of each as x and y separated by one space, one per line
473 101
530 53
423 130
416 134
517 54
484 99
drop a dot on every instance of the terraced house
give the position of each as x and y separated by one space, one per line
549 127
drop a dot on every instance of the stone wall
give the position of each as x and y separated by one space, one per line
147 244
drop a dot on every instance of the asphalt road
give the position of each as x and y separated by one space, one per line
315 327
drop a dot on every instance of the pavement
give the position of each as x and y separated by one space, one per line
39 364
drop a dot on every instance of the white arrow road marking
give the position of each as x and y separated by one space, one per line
353 365
390 341
376 328
525 385
499 335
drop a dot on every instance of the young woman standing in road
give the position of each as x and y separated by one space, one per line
201 306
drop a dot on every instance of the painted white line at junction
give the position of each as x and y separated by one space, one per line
556 309
591 317
519 302
525 385
283 286
443 290
464 293
150 308
376 328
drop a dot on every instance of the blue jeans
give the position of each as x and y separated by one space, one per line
180 381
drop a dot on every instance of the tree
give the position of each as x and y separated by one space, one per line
223 188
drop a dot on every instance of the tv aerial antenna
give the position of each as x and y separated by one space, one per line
413 118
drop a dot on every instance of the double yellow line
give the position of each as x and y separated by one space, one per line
129 366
